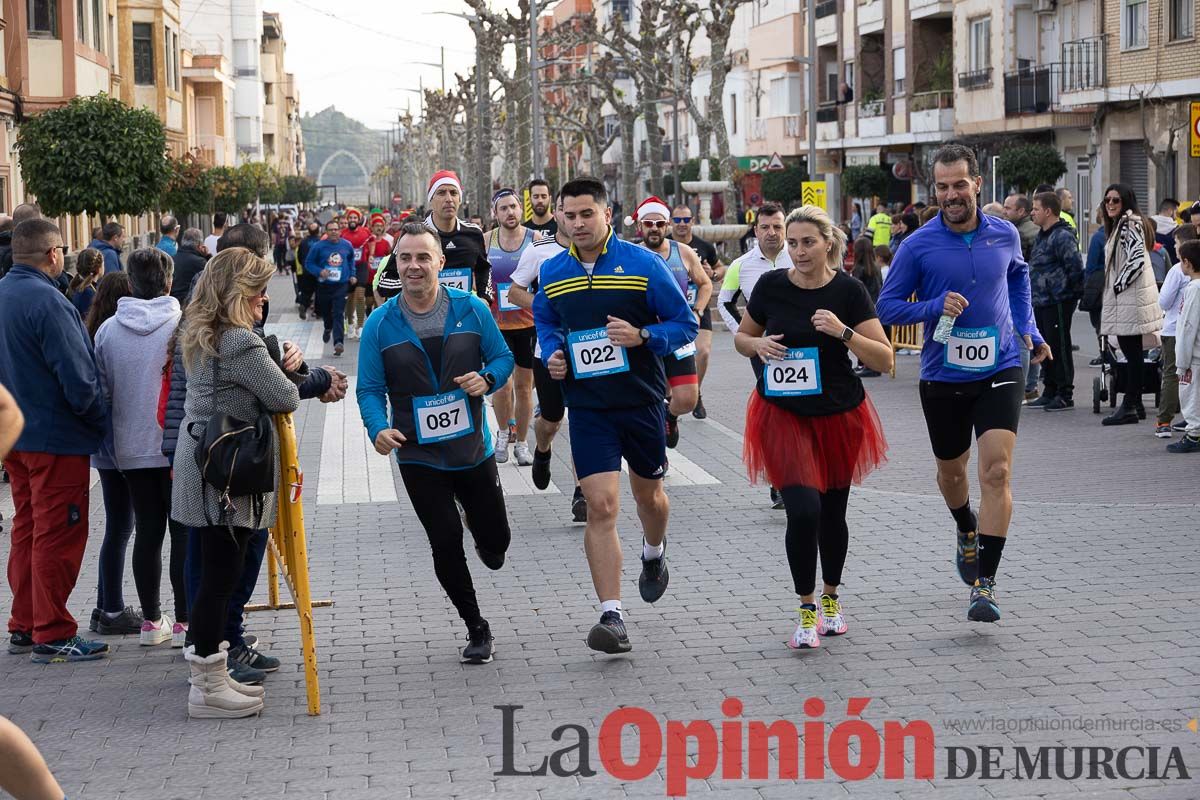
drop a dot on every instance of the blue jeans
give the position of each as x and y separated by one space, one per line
1032 371
331 305
256 551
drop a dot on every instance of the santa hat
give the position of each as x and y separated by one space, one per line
353 212
442 178
378 217
651 205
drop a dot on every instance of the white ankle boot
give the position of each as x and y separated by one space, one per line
210 695
243 688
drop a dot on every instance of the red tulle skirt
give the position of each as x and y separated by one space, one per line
825 453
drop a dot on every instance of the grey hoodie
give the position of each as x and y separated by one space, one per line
131 351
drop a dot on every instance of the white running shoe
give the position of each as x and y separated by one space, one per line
502 446
179 634
830 621
154 633
524 457
805 637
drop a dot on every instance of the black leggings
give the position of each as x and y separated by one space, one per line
1131 348
222 555
118 527
815 521
150 490
432 492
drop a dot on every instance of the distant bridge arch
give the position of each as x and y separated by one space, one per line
365 172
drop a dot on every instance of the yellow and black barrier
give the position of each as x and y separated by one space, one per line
907 337
288 554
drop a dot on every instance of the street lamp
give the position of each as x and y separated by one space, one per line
483 169
439 64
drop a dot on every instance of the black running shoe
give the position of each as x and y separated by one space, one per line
95 620
128 621
541 469
700 412
20 642
325 336
492 561
479 647
579 506
983 606
609 636
965 558
654 578
672 429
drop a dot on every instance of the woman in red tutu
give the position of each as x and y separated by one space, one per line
811 430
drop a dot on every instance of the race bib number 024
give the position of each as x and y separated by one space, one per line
972 349
593 355
796 375
440 417
456 277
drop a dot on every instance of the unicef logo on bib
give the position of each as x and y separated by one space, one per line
795 375
593 355
456 277
972 349
440 417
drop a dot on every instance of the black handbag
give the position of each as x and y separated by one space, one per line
1093 291
235 457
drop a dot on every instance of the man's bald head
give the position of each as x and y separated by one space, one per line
26 211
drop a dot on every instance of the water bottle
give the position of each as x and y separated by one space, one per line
941 334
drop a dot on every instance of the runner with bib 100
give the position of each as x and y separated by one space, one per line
606 312
810 427
433 353
973 297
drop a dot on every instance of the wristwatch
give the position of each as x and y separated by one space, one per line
644 333
847 333
491 380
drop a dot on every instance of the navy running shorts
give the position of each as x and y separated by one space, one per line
601 437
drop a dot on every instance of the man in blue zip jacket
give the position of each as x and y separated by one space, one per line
606 312
433 352
331 261
968 266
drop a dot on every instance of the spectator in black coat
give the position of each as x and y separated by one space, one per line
189 263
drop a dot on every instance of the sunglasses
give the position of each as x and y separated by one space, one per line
680 220
655 223
1112 201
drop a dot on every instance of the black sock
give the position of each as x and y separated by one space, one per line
965 518
990 549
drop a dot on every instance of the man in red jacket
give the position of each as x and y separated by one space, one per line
357 236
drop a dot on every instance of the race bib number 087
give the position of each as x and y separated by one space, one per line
593 355
442 416
796 375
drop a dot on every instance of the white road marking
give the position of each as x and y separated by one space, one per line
515 480
351 470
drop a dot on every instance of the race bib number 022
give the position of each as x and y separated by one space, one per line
796 375
456 277
972 349
440 417
593 355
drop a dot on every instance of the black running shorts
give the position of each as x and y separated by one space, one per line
549 393
521 342
953 409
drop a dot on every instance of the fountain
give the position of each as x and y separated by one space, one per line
706 188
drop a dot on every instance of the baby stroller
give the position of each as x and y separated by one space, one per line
1114 375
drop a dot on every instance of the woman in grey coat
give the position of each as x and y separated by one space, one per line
227 298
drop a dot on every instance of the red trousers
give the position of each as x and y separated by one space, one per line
49 533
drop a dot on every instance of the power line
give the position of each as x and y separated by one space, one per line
388 36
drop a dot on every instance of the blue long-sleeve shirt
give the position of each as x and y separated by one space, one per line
1095 255
627 282
987 270
337 257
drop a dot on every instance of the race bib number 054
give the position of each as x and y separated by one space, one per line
456 277
972 349
440 417
795 375
593 355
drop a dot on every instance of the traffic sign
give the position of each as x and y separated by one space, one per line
812 193
1195 129
776 163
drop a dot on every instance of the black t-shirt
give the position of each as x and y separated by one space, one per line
782 307
464 247
705 250
548 228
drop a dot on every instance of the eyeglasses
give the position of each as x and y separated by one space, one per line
1112 201
655 223
681 220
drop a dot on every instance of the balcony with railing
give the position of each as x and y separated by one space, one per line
932 112
1083 64
871 119
784 135
975 79
920 9
828 129
828 21
1032 90
870 16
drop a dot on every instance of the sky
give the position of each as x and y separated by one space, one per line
357 54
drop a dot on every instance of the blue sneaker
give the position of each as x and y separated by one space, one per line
609 635
966 558
983 606
1185 445
66 650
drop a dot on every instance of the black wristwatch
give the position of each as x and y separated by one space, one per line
491 380
644 333
847 333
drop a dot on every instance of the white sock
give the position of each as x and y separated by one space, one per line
650 551
610 605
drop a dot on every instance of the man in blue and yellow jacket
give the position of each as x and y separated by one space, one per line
433 352
607 312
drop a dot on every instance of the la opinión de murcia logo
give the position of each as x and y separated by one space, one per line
735 749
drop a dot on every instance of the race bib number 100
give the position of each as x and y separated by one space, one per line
593 355
972 349
456 277
440 417
795 375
